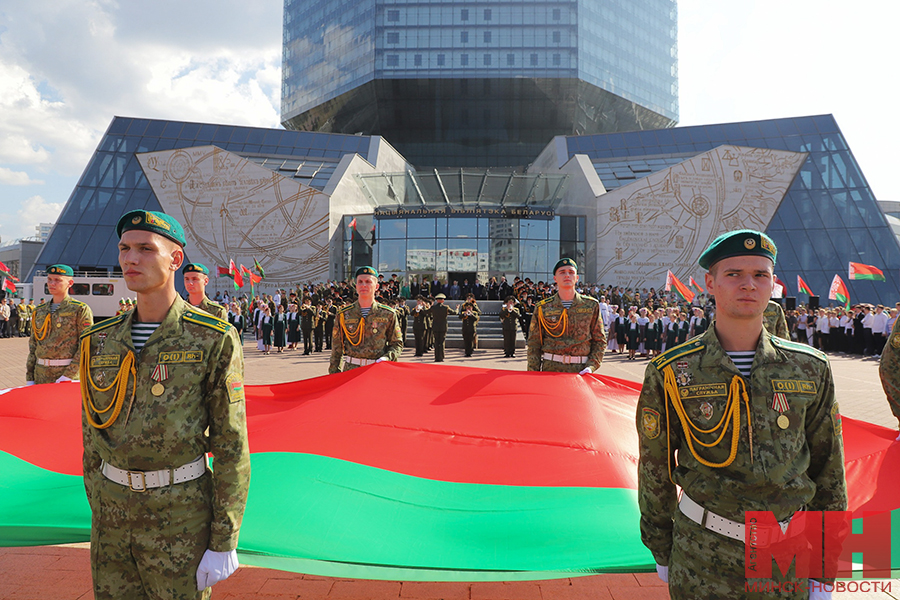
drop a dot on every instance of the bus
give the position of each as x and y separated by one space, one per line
98 290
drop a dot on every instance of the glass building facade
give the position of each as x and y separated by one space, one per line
460 248
464 84
828 218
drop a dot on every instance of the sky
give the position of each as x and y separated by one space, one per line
67 67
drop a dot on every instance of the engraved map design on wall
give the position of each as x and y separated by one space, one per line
666 220
233 209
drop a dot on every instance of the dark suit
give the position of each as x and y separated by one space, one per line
439 312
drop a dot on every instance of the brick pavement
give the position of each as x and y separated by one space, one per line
63 572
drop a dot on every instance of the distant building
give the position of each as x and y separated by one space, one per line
43 231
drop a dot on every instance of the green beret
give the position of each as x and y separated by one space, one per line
743 242
60 270
366 271
150 220
564 262
196 268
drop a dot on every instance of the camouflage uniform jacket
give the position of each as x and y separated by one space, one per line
775 322
802 465
61 335
585 334
889 369
213 308
203 389
380 336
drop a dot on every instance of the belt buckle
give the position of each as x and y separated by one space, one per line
143 487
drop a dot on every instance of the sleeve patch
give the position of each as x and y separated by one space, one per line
836 419
650 423
235 385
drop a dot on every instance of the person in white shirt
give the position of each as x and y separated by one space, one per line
823 329
879 330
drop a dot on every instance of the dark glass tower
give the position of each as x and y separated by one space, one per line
483 84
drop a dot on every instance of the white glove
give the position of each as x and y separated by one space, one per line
215 567
27 383
62 378
382 359
586 371
896 439
817 591
663 573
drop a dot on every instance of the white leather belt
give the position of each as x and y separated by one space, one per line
141 481
359 361
53 362
723 526
565 358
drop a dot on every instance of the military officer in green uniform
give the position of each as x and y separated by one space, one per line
509 315
196 278
755 425
365 332
566 333
439 311
889 370
162 386
56 325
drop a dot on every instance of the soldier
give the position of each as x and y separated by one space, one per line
330 312
31 309
774 320
22 310
439 312
196 278
566 333
162 386
889 370
308 321
56 325
784 451
469 318
366 331
419 314
509 315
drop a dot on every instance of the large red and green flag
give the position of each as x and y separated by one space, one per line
481 475
8 285
693 283
861 271
802 288
223 271
683 290
3 268
839 291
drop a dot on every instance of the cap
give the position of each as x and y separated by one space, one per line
440 297
366 271
60 270
743 242
564 262
150 220
196 268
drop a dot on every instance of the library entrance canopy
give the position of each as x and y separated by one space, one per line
463 193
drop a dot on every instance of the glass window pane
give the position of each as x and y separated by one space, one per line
533 229
391 255
391 229
420 254
462 228
420 228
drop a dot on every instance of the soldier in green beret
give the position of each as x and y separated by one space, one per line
365 332
162 386
196 278
566 333
741 420
56 325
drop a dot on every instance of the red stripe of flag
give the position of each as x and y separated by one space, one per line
802 288
839 291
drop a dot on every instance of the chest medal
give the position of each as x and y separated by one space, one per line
780 403
683 377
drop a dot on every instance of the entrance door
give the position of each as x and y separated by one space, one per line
465 280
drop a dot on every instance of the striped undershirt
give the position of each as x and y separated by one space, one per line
567 303
54 307
743 361
365 311
141 332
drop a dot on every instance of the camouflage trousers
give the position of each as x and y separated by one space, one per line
44 374
149 545
707 565
551 366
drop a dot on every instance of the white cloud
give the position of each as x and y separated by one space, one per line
36 210
10 177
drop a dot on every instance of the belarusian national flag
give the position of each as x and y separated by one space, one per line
238 279
683 290
802 288
8 285
480 475
839 291
223 271
693 283
3 268
259 268
861 271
